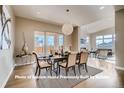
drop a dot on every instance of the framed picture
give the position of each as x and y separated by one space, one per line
5 25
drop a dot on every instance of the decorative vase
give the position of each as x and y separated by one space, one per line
25 46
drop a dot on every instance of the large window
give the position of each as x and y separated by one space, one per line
84 42
39 42
47 41
61 40
50 43
108 41
105 41
99 41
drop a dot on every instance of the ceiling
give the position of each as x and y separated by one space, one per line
56 14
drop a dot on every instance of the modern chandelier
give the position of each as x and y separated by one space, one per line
67 28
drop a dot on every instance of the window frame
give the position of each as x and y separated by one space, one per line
56 40
104 37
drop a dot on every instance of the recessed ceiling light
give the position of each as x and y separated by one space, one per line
102 7
67 10
38 13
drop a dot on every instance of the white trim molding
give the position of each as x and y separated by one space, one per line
23 64
7 78
119 68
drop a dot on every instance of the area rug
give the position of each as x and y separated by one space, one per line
71 81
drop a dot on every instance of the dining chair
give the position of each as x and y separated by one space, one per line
41 64
102 54
83 61
69 64
54 52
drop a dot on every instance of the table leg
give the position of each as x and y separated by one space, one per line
55 67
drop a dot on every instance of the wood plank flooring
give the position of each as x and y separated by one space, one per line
112 77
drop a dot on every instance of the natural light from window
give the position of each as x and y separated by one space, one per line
105 42
47 41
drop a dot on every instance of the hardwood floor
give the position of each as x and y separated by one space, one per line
21 83
112 77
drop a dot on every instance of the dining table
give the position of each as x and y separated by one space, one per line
55 60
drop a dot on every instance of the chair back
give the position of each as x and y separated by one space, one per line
35 57
83 57
103 53
71 59
54 52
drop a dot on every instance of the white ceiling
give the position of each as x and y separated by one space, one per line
56 14
98 25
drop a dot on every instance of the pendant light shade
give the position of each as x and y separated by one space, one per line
67 29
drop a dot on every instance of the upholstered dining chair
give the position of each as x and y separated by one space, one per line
102 54
69 64
54 52
41 64
83 61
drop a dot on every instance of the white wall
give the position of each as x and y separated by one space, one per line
67 41
119 43
74 37
7 56
29 27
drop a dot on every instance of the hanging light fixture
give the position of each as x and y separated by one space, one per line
67 29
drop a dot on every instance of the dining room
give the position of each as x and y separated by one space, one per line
53 47
51 53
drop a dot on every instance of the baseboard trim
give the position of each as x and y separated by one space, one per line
24 64
119 68
6 80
